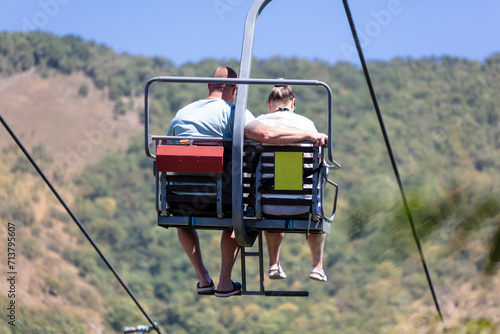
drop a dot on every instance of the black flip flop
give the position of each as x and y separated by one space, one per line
235 291
206 290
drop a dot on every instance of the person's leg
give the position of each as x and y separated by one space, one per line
316 244
191 244
273 241
229 251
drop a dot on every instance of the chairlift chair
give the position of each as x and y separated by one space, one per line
218 184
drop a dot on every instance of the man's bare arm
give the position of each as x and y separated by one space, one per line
261 132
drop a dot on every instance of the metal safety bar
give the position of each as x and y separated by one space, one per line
166 79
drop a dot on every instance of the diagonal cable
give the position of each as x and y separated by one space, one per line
77 221
391 155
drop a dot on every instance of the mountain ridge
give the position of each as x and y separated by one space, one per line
444 124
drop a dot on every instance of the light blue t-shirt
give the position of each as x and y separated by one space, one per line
206 118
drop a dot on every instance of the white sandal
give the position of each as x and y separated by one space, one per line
279 274
317 275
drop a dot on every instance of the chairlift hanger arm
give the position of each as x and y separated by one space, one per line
241 103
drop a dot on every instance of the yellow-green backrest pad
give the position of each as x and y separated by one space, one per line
288 170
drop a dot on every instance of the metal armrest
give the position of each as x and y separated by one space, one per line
324 176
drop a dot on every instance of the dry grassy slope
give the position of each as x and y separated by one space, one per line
45 280
76 131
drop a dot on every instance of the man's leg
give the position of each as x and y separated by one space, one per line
316 244
191 244
229 250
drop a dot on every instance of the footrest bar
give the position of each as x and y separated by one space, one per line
277 293
287 293
251 253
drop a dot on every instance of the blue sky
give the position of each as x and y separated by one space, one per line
191 30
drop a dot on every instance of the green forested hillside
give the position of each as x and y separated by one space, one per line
442 115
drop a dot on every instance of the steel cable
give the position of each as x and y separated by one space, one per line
77 221
391 155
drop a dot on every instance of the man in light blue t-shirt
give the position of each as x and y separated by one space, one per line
214 117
